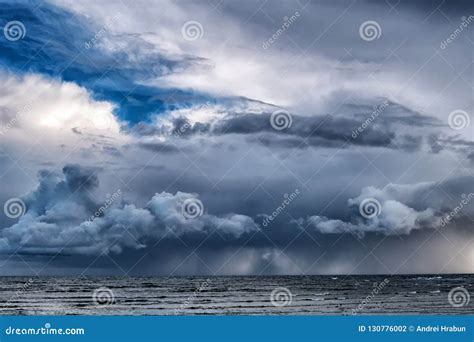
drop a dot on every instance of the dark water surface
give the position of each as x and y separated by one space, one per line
294 295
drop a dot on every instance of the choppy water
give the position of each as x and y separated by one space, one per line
320 295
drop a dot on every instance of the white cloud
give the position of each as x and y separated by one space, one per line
306 78
51 116
401 209
43 104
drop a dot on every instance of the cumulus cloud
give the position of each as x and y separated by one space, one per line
40 103
63 216
400 209
51 117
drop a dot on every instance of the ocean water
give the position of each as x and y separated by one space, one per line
236 295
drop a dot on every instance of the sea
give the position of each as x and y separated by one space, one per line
239 295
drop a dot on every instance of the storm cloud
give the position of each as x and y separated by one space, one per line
63 210
399 209
112 120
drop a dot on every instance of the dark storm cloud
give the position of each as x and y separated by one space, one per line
318 130
241 166
320 254
392 113
453 143
56 222
434 144
159 147
364 126
409 143
399 209
63 217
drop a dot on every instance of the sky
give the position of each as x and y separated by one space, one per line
236 138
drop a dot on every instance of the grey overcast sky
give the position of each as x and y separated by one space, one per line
236 137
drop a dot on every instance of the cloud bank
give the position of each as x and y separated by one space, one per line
116 96
58 209
399 209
